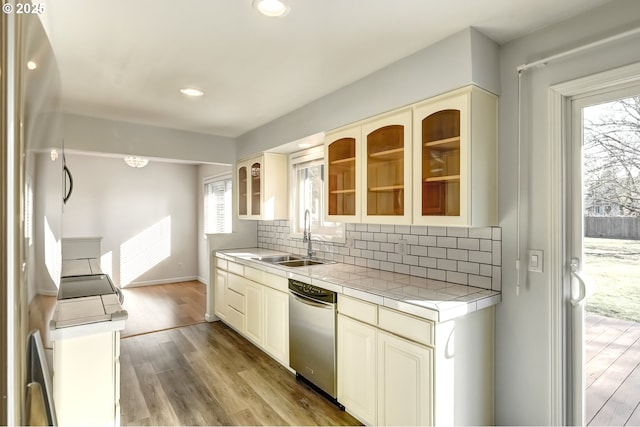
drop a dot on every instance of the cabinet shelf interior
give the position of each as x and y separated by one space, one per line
447 143
393 154
342 161
443 178
387 188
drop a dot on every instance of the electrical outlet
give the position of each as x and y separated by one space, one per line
180 266
349 242
402 247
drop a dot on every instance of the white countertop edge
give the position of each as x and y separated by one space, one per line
86 329
438 311
365 296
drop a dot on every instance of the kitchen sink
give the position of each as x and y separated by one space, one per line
274 259
290 260
301 262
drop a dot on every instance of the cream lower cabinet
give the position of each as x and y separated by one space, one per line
405 382
357 368
399 369
255 304
254 311
86 379
220 303
276 324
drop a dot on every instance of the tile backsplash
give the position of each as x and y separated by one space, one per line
466 256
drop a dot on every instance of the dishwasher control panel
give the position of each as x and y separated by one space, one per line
312 291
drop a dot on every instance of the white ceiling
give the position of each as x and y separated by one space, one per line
127 59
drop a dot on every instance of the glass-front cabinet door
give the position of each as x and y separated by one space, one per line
262 187
387 169
455 160
256 174
243 188
441 163
342 150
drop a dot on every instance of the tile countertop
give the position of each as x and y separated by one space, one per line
87 304
430 299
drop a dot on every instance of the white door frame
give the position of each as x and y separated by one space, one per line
563 410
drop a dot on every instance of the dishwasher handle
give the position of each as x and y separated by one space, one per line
310 301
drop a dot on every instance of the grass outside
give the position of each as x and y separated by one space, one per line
613 270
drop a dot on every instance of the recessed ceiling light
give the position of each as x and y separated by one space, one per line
32 65
193 92
272 8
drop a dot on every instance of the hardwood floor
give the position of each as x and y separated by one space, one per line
150 308
176 369
207 374
157 307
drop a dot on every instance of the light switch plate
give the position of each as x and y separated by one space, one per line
536 260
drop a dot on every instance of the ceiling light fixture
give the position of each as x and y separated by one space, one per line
192 92
136 161
32 65
272 8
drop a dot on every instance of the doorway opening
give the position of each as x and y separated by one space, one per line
611 246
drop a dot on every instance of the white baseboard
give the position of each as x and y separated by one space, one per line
162 281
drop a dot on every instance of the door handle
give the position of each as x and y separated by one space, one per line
574 268
67 173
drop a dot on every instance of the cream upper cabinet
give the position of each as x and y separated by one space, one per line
342 155
262 190
369 171
455 159
386 168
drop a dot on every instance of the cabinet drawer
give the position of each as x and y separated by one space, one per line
276 282
235 268
235 300
236 283
235 319
413 328
253 274
357 309
221 263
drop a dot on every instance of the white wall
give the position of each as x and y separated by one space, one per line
149 214
463 58
523 323
108 136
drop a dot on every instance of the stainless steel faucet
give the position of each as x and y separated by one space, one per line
306 234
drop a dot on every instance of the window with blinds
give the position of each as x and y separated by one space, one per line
217 205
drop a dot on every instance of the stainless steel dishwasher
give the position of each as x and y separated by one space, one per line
312 335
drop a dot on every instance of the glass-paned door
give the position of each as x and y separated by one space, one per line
604 260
